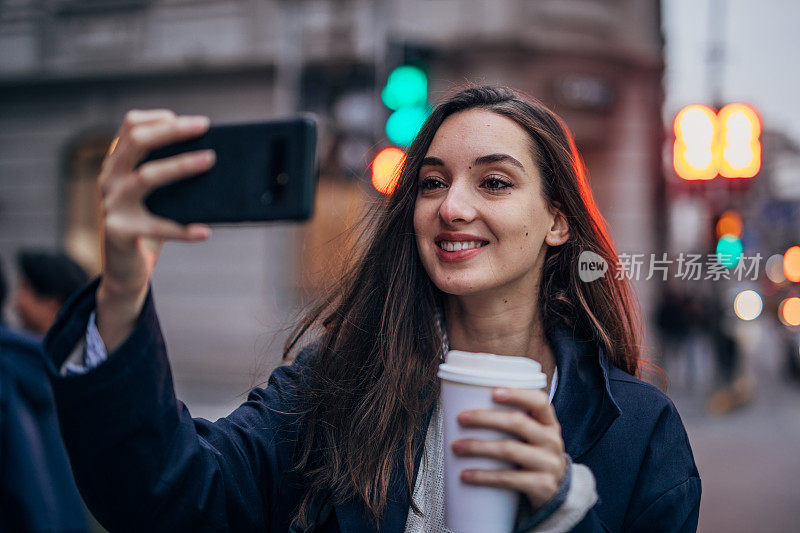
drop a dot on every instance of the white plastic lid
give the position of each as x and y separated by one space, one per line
491 370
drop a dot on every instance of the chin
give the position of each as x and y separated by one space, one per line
458 286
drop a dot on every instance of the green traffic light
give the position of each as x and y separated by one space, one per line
729 251
404 124
406 86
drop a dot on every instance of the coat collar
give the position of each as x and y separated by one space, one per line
583 403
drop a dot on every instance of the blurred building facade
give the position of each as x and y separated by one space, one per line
71 68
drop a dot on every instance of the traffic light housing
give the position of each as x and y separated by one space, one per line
406 94
728 233
708 144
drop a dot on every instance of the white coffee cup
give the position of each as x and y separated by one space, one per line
467 382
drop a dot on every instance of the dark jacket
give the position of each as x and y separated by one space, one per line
143 463
37 491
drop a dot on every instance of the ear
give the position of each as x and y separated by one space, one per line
558 233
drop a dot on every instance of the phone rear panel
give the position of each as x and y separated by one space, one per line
264 171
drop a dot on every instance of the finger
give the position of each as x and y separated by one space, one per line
513 421
135 117
128 226
531 458
141 116
531 483
168 230
140 139
534 401
154 174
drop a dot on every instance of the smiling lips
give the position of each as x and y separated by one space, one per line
452 247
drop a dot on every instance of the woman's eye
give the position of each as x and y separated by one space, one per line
427 184
496 184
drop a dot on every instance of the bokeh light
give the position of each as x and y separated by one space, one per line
791 264
740 130
789 311
407 86
774 269
386 169
748 305
693 151
403 125
729 223
729 251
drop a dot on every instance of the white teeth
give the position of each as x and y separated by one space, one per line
456 246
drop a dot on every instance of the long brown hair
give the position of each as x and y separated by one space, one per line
374 376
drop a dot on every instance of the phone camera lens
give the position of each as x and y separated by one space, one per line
266 198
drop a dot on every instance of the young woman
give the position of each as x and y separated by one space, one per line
477 249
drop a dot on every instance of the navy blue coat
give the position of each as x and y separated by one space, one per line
37 491
144 464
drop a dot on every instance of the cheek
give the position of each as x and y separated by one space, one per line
419 231
526 231
424 214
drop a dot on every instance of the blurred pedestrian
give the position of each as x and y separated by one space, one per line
672 325
46 281
476 250
37 490
735 387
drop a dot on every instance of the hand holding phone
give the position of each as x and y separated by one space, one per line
133 236
264 171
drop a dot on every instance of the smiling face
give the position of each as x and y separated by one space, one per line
480 218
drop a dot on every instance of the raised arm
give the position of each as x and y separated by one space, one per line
143 464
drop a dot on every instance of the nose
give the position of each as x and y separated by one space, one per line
457 206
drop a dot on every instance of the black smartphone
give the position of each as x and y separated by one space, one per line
265 171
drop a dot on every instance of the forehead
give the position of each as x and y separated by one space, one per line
475 132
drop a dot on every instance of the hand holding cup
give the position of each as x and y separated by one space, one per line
534 445
499 442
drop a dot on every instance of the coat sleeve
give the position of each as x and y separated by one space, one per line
666 495
142 462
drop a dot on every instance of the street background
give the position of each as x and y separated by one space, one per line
618 72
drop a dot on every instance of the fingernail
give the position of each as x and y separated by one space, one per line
464 417
201 232
502 394
194 122
207 156
467 475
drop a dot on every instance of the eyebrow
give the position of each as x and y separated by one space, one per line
482 160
